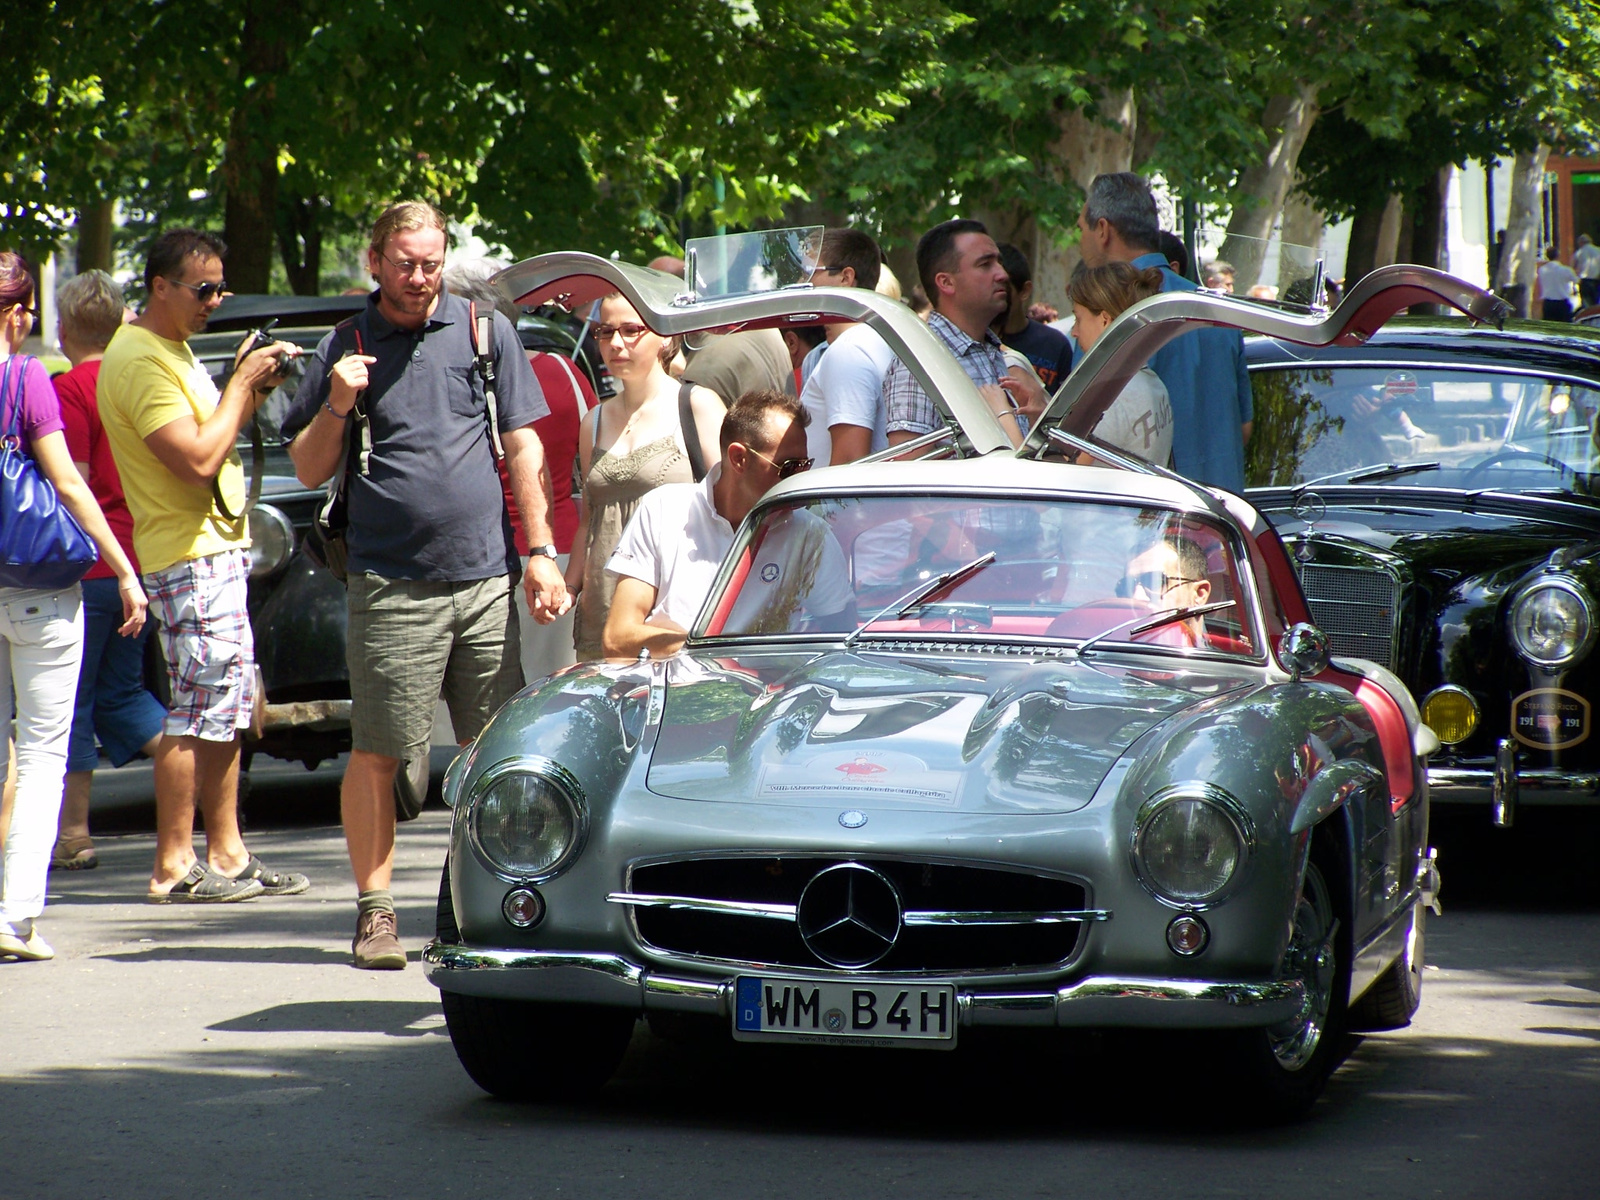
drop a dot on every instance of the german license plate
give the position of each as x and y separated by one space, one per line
858 1013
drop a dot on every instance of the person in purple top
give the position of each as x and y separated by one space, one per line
41 629
1204 370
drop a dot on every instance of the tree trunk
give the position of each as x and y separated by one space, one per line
1084 147
94 236
1362 255
1389 231
1302 226
1425 224
300 242
1520 259
250 160
1259 198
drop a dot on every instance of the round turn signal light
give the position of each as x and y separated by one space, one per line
1451 713
1187 935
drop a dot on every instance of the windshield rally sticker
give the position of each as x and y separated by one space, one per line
885 775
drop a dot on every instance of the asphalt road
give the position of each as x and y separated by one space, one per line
233 1052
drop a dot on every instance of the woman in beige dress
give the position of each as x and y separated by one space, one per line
626 446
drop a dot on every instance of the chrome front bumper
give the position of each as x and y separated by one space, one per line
1098 1001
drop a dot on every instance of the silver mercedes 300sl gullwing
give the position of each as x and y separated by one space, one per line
978 739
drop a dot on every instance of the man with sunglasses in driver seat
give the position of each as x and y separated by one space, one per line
1170 574
675 542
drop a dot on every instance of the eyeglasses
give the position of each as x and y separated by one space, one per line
203 292
31 310
630 333
409 267
819 269
1154 583
786 468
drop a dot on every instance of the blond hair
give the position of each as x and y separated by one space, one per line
404 216
1113 286
90 309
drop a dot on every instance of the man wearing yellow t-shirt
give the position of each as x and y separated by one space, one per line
172 435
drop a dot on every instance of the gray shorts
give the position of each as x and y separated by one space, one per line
412 641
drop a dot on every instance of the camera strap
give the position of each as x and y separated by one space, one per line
483 358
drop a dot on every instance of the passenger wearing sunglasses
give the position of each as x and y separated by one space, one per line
1170 574
670 552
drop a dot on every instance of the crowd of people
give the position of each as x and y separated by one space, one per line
140 445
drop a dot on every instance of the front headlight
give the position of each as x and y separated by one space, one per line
1189 842
527 818
271 540
1552 623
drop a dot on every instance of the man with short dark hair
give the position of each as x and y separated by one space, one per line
1048 350
1170 574
844 392
675 542
959 267
432 561
1204 370
172 437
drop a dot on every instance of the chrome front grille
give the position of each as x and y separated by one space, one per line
1357 607
956 919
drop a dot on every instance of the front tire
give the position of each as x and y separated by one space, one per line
1283 1068
1393 1000
530 1051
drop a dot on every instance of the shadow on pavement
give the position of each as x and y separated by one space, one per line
393 1018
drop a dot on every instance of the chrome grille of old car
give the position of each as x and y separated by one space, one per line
1357 607
957 918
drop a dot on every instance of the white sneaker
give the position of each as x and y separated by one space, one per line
33 948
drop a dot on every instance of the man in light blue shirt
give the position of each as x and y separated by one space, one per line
1204 370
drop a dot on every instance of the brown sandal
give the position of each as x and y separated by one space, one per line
75 854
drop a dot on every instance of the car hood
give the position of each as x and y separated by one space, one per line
927 732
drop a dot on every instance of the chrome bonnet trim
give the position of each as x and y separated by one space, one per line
786 912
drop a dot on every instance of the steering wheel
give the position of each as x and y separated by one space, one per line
1508 452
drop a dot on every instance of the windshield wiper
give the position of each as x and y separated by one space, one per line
904 604
1368 474
1145 623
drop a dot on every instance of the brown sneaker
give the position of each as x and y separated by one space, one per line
377 945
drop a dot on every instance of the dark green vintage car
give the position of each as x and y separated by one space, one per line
1439 487
975 739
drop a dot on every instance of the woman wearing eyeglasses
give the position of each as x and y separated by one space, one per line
627 446
41 629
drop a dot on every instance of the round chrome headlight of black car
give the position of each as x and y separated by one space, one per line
527 819
271 540
1189 843
1552 622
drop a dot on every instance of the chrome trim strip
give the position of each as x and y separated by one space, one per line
1096 1001
1060 917
1476 785
736 908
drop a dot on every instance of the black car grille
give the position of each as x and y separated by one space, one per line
1355 607
1013 943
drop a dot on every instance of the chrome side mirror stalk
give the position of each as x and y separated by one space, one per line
1304 650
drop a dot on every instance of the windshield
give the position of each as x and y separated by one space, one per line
984 568
1422 427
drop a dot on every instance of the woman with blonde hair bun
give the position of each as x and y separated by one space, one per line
1140 419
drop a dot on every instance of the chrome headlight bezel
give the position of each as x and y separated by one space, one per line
1544 587
1214 798
275 525
566 789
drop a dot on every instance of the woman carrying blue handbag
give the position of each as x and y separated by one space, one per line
45 511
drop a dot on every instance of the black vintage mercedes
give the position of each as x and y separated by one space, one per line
1439 488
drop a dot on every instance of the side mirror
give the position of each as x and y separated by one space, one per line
1304 650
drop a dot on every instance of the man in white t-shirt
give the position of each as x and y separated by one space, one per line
1586 262
1558 284
675 542
844 392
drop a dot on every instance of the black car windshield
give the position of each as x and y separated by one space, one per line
1422 427
870 567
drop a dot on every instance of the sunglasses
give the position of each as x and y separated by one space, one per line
409 267
630 333
203 292
1154 583
786 468
31 310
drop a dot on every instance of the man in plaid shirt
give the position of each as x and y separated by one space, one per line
959 267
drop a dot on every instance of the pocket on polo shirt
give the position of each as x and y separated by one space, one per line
463 392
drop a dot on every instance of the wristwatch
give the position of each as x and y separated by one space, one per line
546 551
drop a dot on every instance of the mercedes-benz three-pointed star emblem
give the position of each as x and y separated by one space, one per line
849 915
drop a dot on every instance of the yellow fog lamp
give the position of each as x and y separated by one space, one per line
1451 713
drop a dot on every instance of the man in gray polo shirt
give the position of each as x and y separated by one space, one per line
432 563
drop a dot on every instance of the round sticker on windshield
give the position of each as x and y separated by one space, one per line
1399 385
769 573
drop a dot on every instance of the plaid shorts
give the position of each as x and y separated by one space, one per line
206 640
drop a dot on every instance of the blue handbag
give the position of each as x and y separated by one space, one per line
41 546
